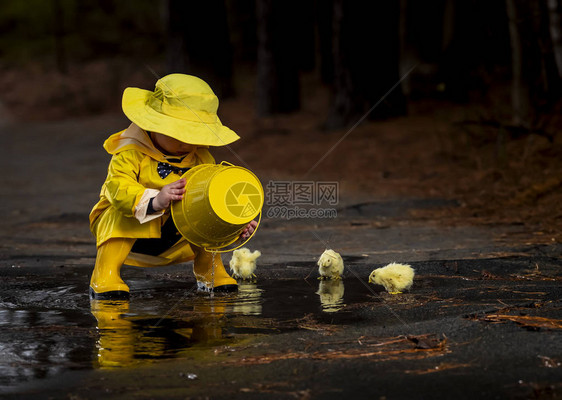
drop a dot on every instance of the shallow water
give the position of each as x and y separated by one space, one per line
48 324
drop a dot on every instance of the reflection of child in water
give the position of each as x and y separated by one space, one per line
171 131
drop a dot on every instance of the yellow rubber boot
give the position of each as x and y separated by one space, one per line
106 282
209 278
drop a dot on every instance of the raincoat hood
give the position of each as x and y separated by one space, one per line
135 138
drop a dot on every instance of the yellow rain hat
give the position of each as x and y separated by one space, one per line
183 107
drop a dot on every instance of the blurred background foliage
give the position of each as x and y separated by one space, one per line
89 29
60 57
465 94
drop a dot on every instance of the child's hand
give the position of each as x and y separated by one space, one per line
248 230
172 191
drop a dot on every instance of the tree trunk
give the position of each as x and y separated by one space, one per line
535 78
549 75
175 19
325 22
343 109
366 62
267 85
60 51
519 91
199 42
278 88
555 25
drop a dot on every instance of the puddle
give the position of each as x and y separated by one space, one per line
47 328
48 324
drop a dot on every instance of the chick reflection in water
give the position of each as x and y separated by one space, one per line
331 295
248 301
127 340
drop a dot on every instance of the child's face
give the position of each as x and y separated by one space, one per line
172 146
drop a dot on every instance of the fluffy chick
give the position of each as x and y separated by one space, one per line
330 265
243 263
394 277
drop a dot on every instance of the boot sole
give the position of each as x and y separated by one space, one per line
112 295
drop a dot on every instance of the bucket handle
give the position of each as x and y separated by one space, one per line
241 244
226 163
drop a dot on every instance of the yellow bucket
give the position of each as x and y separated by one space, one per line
219 201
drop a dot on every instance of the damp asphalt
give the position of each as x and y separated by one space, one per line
483 318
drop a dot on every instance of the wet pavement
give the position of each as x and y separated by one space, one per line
482 327
482 320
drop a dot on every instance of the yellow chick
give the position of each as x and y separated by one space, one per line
330 265
394 277
243 263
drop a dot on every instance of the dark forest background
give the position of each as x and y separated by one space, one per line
83 53
449 99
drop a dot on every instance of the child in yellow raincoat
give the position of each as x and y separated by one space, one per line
170 132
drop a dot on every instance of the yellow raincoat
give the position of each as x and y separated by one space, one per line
132 178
